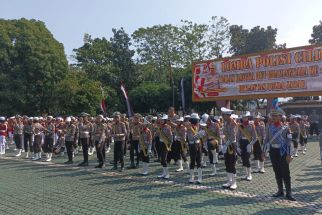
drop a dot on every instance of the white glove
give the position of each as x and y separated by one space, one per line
289 136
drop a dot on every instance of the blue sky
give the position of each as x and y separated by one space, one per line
68 20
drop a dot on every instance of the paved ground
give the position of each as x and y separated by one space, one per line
28 187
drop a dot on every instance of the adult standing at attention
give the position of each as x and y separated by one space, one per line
85 129
278 143
119 133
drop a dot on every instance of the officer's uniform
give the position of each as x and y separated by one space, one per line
278 143
18 136
181 147
69 131
99 135
230 148
3 134
304 125
49 139
28 136
246 137
135 129
146 141
85 129
260 131
295 130
38 137
119 134
166 138
213 138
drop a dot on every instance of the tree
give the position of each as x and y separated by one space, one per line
193 42
158 46
76 93
148 96
32 63
258 39
244 41
122 57
316 34
96 57
218 37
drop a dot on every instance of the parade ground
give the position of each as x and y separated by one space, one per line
28 187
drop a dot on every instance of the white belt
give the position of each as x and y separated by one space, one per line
276 145
193 142
85 132
2 130
244 138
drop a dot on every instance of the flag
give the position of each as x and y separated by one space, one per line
103 106
182 95
128 105
103 103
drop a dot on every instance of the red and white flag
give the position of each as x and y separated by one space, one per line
103 106
128 105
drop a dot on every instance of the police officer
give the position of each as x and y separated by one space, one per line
260 131
85 129
166 138
119 133
213 138
49 138
295 130
181 147
145 146
18 134
195 147
278 144
28 135
99 135
229 148
246 137
38 137
69 131
135 128
3 134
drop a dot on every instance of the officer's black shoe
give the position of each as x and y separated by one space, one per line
278 194
132 166
290 197
83 164
101 165
68 162
114 167
137 166
122 169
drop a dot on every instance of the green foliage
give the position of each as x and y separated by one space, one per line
32 63
122 57
76 93
95 57
148 96
258 39
316 34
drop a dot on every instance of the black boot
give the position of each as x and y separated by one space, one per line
288 190
280 188
132 166
69 162
85 163
114 166
100 165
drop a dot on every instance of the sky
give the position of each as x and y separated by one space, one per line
68 20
